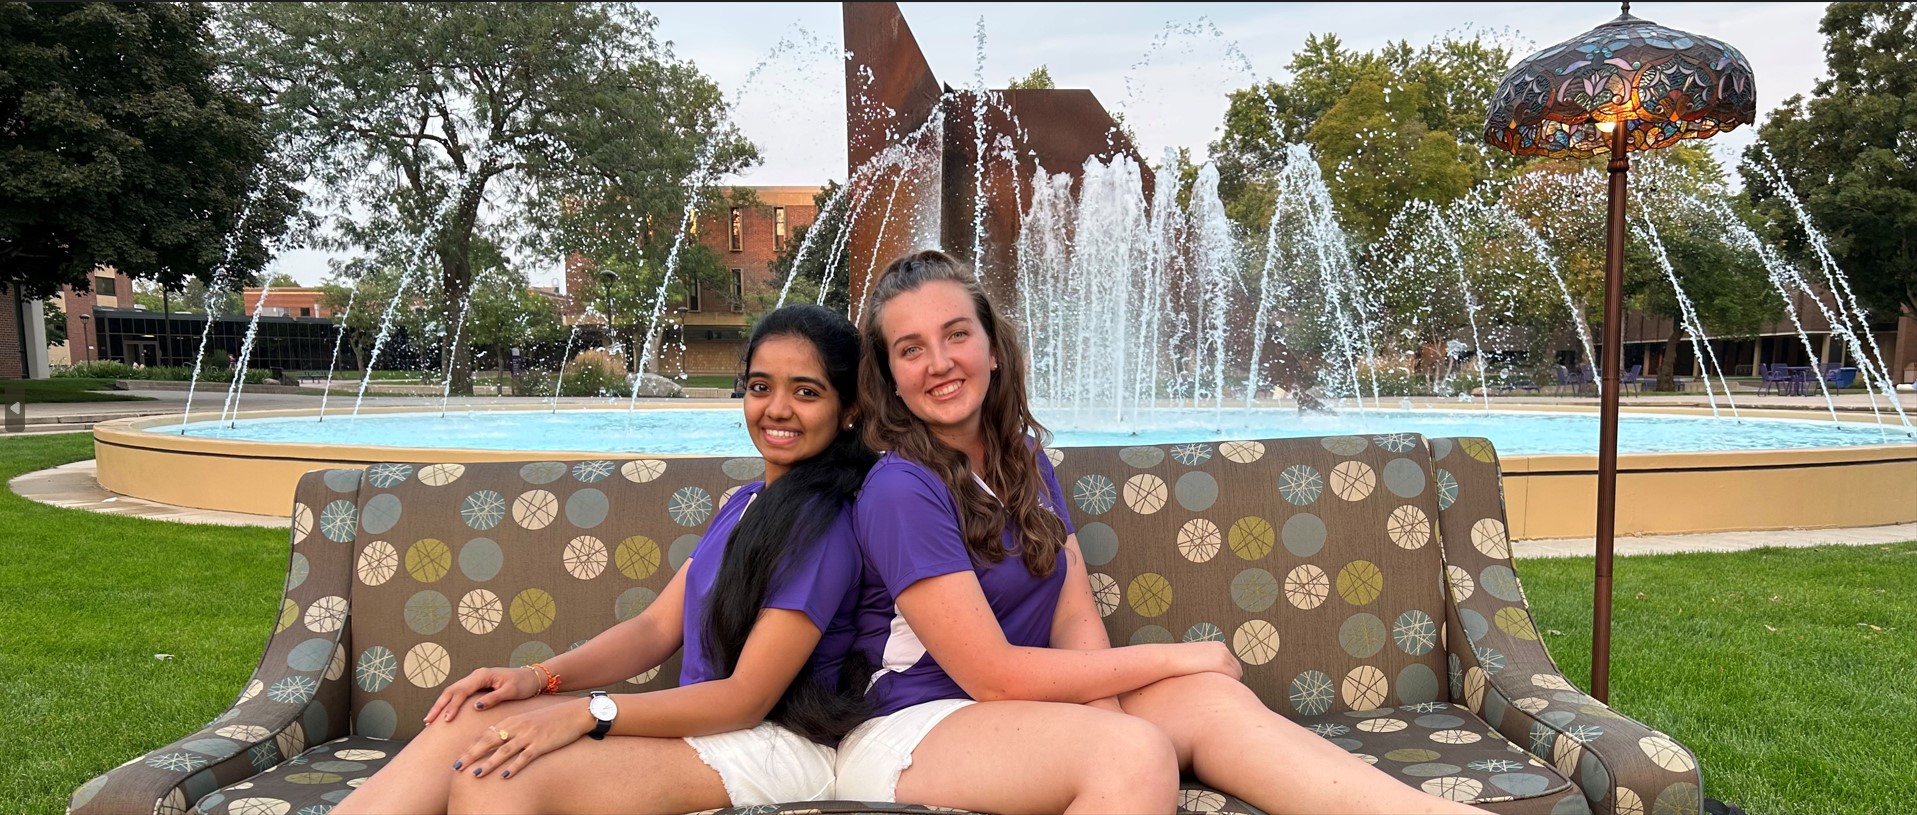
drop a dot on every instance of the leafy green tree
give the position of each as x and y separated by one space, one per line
555 127
507 314
358 293
826 227
1038 80
1376 153
56 322
125 147
1850 153
1416 112
1675 211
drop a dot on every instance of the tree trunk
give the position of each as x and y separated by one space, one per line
1667 367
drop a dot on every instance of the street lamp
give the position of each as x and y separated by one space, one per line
606 278
86 337
1628 84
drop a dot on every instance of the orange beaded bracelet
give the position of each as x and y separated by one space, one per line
552 679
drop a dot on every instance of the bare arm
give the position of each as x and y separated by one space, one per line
774 652
952 618
1075 623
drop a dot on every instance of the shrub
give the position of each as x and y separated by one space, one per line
101 369
594 373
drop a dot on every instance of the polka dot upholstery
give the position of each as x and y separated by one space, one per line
1315 560
1499 668
1329 566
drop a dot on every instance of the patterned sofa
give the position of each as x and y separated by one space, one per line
1365 582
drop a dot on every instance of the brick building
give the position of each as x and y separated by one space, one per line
286 302
111 289
713 323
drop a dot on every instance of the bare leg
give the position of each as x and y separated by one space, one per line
1042 757
1230 741
419 779
627 775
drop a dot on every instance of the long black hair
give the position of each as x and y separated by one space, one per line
783 525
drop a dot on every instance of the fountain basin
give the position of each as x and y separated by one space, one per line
1841 474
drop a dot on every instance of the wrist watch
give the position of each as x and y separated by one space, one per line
604 710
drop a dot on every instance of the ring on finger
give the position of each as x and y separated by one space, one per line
502 733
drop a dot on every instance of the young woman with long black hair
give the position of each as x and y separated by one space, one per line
763 610
975 590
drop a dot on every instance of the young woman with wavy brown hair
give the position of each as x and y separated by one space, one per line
977 610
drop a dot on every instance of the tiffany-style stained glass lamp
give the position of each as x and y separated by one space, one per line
1626 85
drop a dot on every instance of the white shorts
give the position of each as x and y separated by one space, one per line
768 764
876 753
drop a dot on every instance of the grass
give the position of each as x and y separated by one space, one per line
86 601
74 389
1792 673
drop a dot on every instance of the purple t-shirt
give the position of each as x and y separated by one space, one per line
908 529
822 585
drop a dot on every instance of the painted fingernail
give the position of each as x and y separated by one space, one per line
477 771
459 764
506 774
479 705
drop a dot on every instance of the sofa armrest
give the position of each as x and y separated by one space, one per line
1501 671
298 695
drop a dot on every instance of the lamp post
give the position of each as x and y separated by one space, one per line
86 337
606 278
1628 84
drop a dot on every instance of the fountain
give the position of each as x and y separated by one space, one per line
1148 321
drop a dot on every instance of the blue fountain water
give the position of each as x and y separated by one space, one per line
720 431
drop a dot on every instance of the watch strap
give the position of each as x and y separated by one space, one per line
600 726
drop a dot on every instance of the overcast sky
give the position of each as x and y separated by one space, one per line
1167 66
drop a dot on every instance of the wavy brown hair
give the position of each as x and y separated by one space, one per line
1010 467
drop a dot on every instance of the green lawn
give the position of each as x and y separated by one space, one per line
1792 673
86 601
70 389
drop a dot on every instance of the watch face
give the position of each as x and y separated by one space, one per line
603 708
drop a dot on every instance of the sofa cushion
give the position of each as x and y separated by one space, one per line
1448 751
1314 559
464 566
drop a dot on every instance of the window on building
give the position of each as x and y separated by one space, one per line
738 290
738 230
305 311
104 286
692 295
778 229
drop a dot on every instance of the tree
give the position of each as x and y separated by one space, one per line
1676 231
125 147
507 314
1850 154
1376 153
56 322
551 127
815 240
1416 111
1040 79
